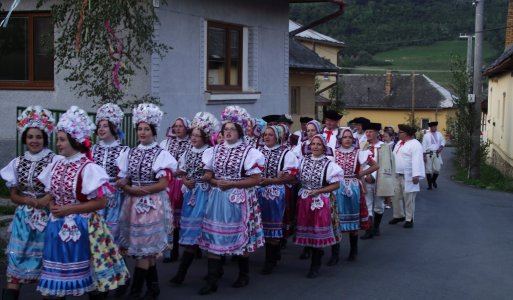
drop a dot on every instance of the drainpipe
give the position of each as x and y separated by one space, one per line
322 20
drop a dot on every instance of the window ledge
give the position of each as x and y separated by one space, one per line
231 97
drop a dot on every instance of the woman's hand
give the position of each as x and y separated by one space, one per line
62 211
265 181
313 193
122 182
224 185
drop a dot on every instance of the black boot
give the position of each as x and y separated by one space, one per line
315 263
369 233
271 258
353 242
96 296
138 279
186 262
176 237
335 253
214 269
429 181
306 253
152 284
243 278
377 222
10 294
435 176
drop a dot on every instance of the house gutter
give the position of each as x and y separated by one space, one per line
339 12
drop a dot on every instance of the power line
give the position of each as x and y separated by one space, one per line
398 70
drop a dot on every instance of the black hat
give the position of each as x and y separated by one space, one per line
431 124
305 119
285 119
332 115
360 120
371 126
407 128
271 118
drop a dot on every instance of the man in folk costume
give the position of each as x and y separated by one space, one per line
330 132
271 119
302 132
409 170
359 133
433 143
379 183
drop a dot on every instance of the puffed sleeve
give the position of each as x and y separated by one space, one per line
291 163
254 163
122 163
94 177
163 164
163 144
297 150
45 177
9 173
334 173
208 158
363 156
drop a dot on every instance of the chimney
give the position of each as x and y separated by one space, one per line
388 80
509 25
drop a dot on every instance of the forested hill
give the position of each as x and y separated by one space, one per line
379 25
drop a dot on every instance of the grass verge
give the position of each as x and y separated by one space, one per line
491 179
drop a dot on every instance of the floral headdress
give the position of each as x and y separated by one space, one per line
206 122
37 117
235 114
110 112
259 126
77 124
148 113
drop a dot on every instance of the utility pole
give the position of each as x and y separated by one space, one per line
470 55
475 171
413 98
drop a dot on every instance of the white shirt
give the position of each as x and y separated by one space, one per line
409 161
432 141
332 143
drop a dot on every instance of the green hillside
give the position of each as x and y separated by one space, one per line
433 60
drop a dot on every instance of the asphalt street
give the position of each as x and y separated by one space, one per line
461 247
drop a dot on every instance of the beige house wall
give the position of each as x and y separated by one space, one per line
499 124
306 83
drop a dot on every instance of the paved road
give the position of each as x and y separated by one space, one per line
460 248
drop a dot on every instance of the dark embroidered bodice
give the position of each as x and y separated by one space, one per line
140 163
274 161
194 166
106 157
27 174
177 147
65 180
229 162
348 161
313 172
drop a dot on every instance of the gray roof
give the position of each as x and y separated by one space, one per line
368 91
302 58
502 64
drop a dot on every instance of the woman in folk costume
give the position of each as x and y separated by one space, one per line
312 128
108 130
254 130
281 167
195 188
79 255
232 224
316 225
352 210
177 143
146 217
25 246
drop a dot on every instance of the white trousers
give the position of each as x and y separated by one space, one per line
374 203
403 203
433 163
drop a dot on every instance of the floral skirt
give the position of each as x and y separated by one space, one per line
193 211
232 224
80 256
315 222
272 203
145 225
25 249
176 198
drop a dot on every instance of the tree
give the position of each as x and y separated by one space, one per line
102 44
